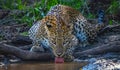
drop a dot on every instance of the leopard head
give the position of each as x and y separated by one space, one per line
60 35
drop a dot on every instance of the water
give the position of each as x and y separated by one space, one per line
45 66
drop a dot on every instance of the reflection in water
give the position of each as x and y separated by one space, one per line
45 66
67 66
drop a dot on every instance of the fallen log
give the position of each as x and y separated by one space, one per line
105 48
110 28
27 55
23 54
21 41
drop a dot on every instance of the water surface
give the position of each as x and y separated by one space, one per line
45 66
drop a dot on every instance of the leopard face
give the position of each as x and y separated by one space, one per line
59 35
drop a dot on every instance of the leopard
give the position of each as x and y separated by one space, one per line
61 31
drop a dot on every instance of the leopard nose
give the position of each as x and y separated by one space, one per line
58 54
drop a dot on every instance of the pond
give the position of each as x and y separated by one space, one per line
45 66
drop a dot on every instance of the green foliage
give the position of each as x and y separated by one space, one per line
12 4
20 5
90 15
37 10
114 7
110 22
32 14
50 3
73 3
7 4
24 33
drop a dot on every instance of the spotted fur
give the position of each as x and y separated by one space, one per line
61 30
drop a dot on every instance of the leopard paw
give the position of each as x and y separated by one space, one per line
37 49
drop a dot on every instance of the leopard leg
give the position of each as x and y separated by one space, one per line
68 58
37 47
85 43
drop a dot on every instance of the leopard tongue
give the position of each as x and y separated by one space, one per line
59 60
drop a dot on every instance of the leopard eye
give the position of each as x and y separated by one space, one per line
54 42
68 26
64 43
48 25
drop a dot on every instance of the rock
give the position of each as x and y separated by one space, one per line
102 64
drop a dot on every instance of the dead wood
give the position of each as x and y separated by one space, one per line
23 54
20 40
105 48
111 28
